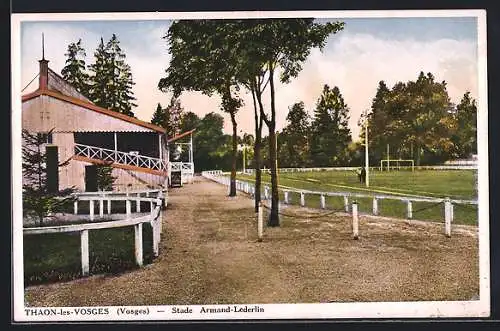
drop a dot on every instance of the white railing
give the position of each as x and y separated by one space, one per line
154 218
249 188
434 167
104 154
186 169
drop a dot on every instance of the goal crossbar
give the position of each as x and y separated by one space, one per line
386 164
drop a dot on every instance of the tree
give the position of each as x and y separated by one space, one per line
105 178
169 118
38 200
203 60
189 121
465 134
271 47
331 134
295 137
111 81
74 70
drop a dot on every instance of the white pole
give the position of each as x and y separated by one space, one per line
409 209
286 197
375 206
116 146
259 222
346 203
84 245
138 243
302 199
355 221
244 158
447 217
109 206
322 202
75 207
367 161
388 162
91 210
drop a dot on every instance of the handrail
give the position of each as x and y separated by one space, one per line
154 218
94 152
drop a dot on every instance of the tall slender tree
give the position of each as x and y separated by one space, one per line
74 71
295 137
331 133
111 79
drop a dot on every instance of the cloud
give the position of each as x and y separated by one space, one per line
355 62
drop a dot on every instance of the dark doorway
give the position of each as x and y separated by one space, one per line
91 178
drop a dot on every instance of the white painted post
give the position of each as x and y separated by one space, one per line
322 202
447 217
138 203
346 203
75 207
259 222
109 206
286 197
101 207
266 193
355 220
151 207
156 237
84 250
128 207
409 209
302 199
375 206
91 210
138 243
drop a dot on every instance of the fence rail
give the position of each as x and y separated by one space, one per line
249 188
435 167
110 155
154 219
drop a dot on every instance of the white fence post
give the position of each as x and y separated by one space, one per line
447 217
138 243
91 210
322 202
156 236
302 199
286 197
84 250
75 207
128 207
355 220
375 206
109 206
409 209
101 207
259 222
346 203
138 203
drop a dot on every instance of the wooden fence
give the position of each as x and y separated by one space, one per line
348 197
154 218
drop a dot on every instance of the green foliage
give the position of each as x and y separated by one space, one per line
74 70
105 179
37 200
293 141
330 132
111 79
418 122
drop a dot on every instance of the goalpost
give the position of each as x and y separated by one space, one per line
397 164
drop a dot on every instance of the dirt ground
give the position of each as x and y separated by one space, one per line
209 254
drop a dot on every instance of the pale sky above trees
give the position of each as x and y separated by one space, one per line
356 59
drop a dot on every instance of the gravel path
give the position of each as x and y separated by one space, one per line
209 254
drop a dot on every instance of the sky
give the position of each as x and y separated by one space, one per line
355 59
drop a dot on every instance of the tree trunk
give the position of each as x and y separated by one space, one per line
257 146
274 216
232 189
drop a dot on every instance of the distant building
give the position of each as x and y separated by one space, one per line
87 135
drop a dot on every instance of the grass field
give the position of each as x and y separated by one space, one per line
455 184
55 257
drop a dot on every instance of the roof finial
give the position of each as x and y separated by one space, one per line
43 47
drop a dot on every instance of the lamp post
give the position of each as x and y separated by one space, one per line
367 161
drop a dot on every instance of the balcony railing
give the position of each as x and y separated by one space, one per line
110 155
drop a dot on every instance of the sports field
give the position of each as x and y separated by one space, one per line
455 184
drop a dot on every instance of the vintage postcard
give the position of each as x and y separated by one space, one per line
250 165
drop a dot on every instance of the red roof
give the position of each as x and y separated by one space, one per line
91 106
181 135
